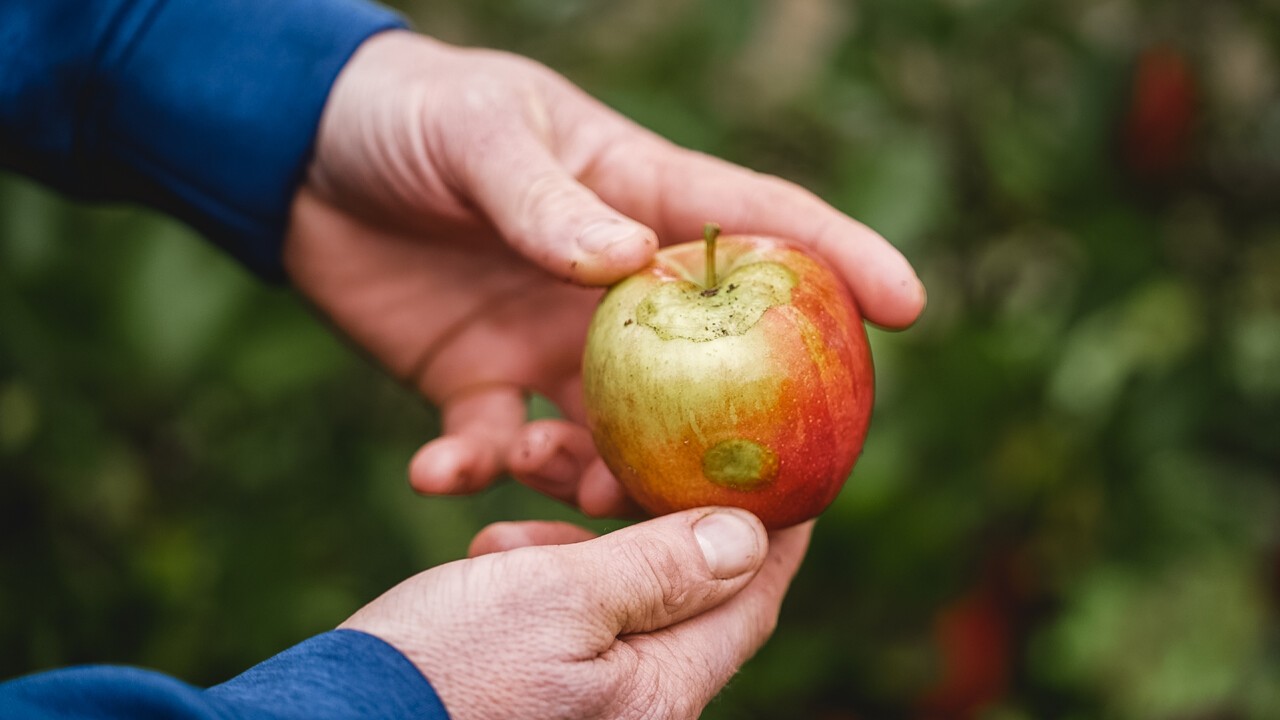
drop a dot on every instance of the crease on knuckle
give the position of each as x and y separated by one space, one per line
668 682
602 681
550 207
544 194
575 690
662 577
643 698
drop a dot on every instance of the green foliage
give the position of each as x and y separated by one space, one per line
1083 431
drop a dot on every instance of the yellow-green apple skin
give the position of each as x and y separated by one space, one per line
754 393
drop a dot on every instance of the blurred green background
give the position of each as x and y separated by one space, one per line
1069 502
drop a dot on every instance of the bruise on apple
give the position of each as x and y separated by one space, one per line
740 464
686 310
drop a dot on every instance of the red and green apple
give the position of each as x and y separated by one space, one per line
731 371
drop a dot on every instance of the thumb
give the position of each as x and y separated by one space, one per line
657 573
550 218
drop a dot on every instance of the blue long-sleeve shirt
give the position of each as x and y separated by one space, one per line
340 675
207 110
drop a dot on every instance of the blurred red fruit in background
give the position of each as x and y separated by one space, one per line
1161 114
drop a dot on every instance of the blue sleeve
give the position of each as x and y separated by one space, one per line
335 676
205 109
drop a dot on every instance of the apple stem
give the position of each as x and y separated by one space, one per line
710 232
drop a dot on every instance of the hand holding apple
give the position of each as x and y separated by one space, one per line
730 372
547 621
452 193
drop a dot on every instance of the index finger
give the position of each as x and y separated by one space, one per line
675 191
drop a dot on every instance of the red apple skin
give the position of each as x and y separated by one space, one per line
795 387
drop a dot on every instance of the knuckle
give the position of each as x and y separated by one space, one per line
643 697
661 570
547 195
586 687
605 684
536 577
665 682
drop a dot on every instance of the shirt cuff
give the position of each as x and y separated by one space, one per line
340 674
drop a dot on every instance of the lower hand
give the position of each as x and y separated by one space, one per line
547 621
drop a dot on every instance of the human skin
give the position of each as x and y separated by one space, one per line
546 621
460 208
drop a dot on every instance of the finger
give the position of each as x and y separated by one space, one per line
885 286
711 647
503 536
550 455
569 398
601 495
548 216
479 427
660 572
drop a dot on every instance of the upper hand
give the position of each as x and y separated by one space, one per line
647 622
459 209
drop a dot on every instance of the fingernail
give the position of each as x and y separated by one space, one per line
924 295
728 543
601 234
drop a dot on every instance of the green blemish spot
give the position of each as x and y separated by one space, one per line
739 464
689 311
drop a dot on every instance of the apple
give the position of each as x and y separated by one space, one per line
730 371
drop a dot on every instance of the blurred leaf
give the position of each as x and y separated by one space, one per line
1176 644
1150 331
181 301
898 187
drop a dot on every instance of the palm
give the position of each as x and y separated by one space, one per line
456 314
460 316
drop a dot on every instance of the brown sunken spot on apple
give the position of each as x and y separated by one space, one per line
688 311
739 464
